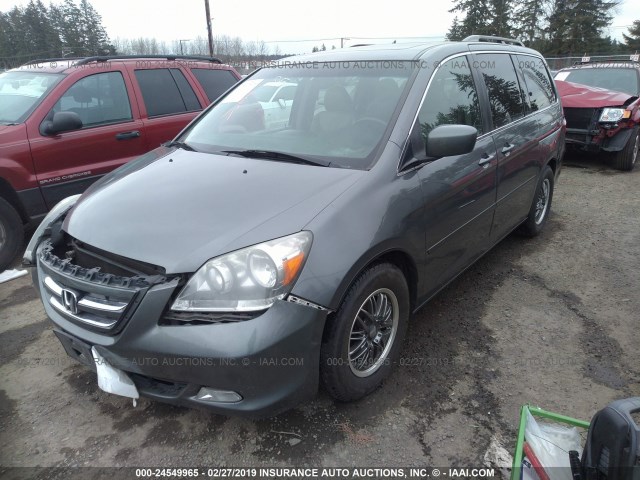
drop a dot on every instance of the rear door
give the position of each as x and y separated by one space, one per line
168 102
459 191
112 133
514 133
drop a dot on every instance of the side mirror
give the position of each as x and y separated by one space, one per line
282 102
449 140
62 122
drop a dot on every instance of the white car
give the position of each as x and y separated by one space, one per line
276 99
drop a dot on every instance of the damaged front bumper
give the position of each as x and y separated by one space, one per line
270 360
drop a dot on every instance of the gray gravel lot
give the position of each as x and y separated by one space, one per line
552 321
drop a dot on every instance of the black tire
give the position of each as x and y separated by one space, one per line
11 234
626 158
346 380
541 205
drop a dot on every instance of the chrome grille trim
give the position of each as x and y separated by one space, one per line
97 312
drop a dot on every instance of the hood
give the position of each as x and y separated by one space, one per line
179 209
10 134
575 95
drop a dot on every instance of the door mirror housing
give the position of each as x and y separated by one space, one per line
62 122
449 140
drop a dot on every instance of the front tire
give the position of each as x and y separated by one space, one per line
541 206
626 158
11 234
363 339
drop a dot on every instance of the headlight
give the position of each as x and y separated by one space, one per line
249 279
613 114
61 208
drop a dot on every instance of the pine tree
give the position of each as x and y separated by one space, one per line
633 39
501 13
477 19
531 18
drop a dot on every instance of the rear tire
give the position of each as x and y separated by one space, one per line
11 234
626 158
541 206
363 339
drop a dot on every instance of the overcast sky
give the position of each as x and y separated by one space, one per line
290 21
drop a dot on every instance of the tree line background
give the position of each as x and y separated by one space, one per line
73 28
553 27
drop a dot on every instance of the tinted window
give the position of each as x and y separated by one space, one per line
286 93
97 99
505 95
214 82
537 85
166 91
452 98
188 95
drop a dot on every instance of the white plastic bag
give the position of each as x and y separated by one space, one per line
551 443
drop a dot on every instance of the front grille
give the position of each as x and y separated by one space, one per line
581 118
94 309
89 297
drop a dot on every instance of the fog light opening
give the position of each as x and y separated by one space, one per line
217 396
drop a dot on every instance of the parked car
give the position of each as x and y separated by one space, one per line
237 267
65 123
602 108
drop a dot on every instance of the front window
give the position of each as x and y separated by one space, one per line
336 113
21 91
617 79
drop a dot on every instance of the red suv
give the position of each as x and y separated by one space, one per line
65 123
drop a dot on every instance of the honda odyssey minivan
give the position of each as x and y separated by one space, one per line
249 261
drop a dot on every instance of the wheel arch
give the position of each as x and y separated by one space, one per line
9 194
398 257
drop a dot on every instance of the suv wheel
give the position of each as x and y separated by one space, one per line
626 158
11 234
364 338
539 212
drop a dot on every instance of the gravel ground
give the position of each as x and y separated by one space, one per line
551 321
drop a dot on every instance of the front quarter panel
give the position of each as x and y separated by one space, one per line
377 215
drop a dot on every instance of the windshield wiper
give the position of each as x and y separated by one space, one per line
277 156
178 144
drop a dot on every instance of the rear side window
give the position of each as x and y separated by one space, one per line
98 99
452 98
505 94
166 91
214 82
538 89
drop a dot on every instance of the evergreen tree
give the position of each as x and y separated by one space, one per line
477 19
531 17
633 39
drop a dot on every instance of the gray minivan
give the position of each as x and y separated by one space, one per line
246 261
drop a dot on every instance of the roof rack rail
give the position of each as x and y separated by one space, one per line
491 39
106 58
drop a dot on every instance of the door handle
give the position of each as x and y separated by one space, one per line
506 150
127 135
486 159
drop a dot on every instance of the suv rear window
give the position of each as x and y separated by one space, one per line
214 82
166 91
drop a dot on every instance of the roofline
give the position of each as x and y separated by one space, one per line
106 58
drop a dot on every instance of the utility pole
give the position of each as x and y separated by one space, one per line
208 12
184 40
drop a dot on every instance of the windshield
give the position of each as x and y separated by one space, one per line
21 91
334 114
617 79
